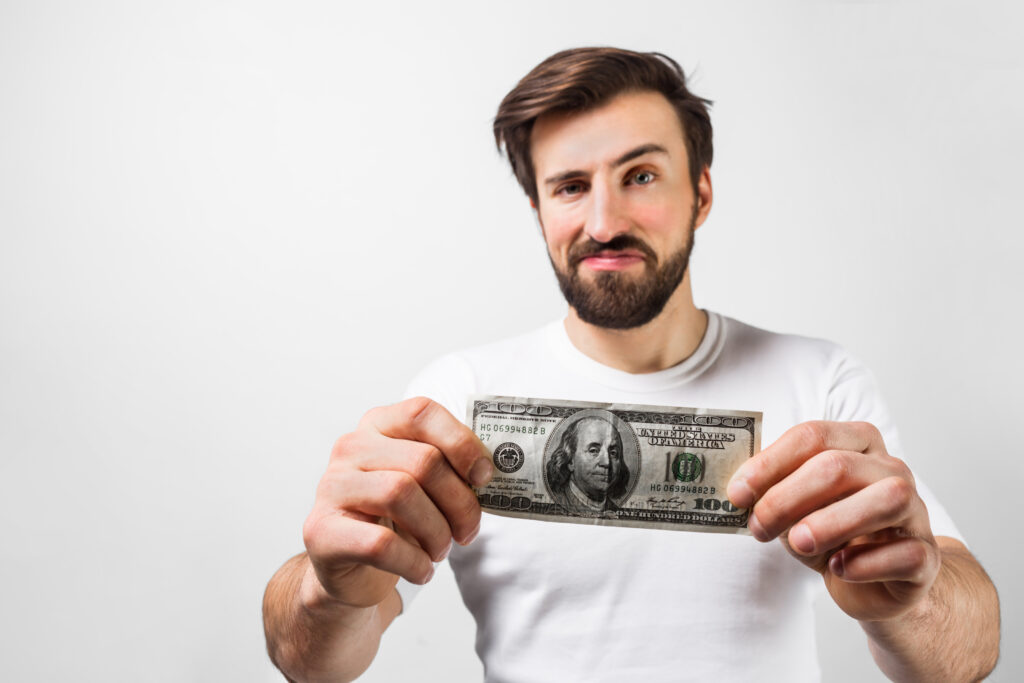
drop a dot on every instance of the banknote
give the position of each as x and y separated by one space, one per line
615 464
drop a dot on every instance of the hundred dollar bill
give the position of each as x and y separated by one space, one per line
615 464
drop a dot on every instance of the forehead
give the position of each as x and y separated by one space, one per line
585 139
596 431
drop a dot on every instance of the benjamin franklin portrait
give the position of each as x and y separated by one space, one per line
591 467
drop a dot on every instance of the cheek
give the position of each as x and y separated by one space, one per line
561 229
659 217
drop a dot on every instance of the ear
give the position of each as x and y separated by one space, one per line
533 204
704 197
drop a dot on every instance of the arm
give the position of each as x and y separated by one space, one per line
839 503
312 637
960 614
392 501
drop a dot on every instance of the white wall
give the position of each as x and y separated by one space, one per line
228 228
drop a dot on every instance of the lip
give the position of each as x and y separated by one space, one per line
613 260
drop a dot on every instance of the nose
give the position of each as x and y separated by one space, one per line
607 217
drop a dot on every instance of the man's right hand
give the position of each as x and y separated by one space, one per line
394 497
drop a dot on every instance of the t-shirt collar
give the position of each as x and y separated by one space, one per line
685 371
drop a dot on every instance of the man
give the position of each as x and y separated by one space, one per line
614 153
585 473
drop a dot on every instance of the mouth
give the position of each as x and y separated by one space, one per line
610 259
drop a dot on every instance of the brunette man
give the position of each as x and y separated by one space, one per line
614 153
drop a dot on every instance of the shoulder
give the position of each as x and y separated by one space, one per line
819 374
744 338
757 348
449 378
528 344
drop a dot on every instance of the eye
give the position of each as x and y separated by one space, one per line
642 178
570 189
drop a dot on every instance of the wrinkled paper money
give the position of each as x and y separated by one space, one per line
614 464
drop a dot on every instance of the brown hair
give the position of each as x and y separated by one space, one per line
585 78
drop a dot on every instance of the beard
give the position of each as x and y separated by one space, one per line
615 300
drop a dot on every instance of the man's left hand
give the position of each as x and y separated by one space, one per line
846 508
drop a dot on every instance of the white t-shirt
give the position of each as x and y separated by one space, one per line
571 602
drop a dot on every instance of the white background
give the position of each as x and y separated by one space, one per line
229 228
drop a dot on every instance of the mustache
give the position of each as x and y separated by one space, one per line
592 247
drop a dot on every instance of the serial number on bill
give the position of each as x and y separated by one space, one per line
681 488
512 429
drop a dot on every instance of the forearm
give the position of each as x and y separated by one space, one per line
951 635
313 638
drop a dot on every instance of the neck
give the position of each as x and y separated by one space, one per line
669 339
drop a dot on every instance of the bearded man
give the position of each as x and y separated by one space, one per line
614 153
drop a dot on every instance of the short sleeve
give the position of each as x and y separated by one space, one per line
853 396
448 381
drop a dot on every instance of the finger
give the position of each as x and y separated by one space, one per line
890 503
791 450
398 497
818 482
420 419
336 540
906 559
367 450
434 474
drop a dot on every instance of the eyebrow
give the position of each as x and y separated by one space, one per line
625 158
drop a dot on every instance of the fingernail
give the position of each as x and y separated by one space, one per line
801 539
481 472
836 565
469 539
430 574
740 494
447 550
756 529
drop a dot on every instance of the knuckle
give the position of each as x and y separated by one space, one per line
899 492
769 510
312 537
377 543
814 435
346 445
837 467
326 488
465 440
400 490
468 509
417 409
917 562
371 416
760 468
867 431
428 463
900 469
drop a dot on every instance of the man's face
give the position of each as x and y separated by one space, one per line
598 458
617 206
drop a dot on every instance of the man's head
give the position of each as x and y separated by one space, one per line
582 79
590 455
613 151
